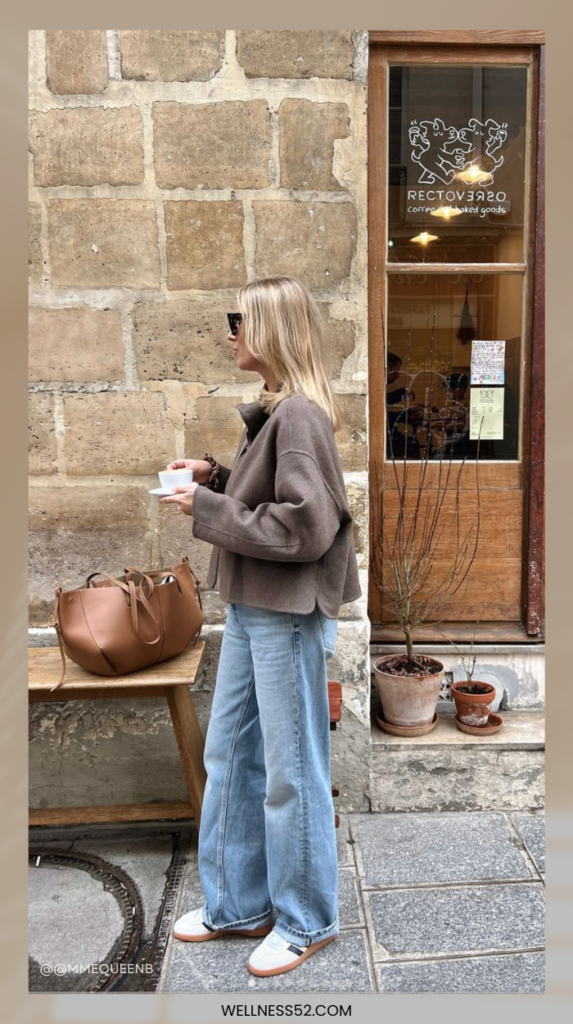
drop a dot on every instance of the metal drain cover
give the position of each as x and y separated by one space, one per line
66 968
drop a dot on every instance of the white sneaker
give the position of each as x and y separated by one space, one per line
276 955
191 928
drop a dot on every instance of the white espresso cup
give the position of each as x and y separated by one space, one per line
171 478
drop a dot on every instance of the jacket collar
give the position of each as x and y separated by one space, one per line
253 415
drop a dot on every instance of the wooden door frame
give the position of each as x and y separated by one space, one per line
530 629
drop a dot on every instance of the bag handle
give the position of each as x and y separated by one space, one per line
136 595
197 587
56 625
130 569
100 572
150 572
163 572
186 559
172 572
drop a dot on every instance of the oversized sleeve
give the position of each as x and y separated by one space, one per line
299 526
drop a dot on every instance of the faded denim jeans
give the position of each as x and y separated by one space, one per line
267 836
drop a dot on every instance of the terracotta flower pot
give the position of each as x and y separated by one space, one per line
408 700
473 702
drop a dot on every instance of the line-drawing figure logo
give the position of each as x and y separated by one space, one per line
443 151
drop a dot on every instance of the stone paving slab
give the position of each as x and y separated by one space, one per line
531 828
221 966
349 909
344 842
455 919
399 849
521 972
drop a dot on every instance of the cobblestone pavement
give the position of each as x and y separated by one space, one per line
428 903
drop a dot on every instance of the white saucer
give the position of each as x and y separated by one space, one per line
162 492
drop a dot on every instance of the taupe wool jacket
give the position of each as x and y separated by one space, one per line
280 522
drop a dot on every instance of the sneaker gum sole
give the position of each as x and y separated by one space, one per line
289 967
259 932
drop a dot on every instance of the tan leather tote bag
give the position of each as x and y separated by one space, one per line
121 624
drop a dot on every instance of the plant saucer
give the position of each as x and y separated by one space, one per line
493 724
407 730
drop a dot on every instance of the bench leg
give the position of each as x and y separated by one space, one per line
191 744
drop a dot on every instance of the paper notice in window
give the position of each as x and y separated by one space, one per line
486 412
488 362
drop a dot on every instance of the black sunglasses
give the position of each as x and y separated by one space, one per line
234 320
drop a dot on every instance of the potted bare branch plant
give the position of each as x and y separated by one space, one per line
473 698
415 578
473 702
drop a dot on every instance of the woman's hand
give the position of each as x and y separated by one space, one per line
182 495
201 468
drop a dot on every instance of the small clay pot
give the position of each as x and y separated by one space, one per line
408 700
473 702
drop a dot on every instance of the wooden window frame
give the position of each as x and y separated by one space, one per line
461 37
491 47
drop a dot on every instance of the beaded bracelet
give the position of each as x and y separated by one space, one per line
213 481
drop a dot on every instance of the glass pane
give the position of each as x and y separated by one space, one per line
456 164
453 365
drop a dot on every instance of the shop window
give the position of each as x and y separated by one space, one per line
456 329
453 366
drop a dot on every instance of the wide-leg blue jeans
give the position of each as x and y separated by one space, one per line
267 837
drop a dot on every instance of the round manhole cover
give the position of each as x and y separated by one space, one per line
81 938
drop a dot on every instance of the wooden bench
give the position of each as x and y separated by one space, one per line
170 679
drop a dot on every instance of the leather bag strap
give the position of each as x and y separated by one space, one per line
186 559
197 588
171 572
56 625
163 573
150 572
198 591
136 595
113 579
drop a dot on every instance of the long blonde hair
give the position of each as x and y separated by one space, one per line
283 330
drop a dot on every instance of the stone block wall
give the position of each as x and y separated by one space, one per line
166 169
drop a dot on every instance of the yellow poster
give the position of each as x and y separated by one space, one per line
486 412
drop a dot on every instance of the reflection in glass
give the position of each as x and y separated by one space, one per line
435 323
456 163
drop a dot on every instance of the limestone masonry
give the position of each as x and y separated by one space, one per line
167 168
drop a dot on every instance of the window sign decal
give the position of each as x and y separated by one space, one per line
488 362
466 159
444 152
486 414
457 164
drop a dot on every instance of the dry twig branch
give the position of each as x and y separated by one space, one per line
405 545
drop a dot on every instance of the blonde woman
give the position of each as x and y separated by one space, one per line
284 556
